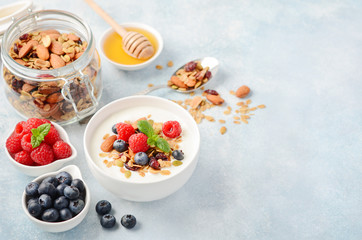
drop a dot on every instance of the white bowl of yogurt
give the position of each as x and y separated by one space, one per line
151 186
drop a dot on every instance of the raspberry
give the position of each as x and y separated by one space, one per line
61 150
43 154
23 157
138 142
26 142
124 131
52 136
171 129
13 143
19 129
32 123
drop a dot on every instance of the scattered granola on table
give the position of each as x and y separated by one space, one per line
143 146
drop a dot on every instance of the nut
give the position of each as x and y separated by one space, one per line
56 61
73 37
107 145
26 48
176 80
55 97
46 41
56 47
42 52
242 91
215 99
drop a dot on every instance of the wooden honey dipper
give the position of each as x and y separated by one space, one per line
134 44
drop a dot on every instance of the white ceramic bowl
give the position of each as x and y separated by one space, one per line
65 225
38 170
148 28
151 187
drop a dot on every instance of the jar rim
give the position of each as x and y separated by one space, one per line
58 73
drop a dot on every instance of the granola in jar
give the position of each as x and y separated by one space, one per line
52 74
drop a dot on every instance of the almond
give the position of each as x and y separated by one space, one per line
176 80
42 52
20 61
27 47
27 87
215 99
196 101
107 145
78 55
54 98
54 36
73 37
49 31
56 61
242 91
57 48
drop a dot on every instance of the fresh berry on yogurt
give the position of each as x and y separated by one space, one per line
171 129
141 158
124 131
138 142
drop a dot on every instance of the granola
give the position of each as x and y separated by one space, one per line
46 50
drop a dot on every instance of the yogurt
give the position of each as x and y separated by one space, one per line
133 114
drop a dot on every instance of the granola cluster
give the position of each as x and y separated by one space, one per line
190 77
44 50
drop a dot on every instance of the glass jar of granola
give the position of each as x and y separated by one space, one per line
51 67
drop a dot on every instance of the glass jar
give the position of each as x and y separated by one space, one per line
63 95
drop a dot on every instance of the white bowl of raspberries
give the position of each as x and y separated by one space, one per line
38 146
57 201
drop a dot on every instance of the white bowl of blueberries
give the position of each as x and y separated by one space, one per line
57 201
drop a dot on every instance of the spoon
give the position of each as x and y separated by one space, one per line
210 62
134 44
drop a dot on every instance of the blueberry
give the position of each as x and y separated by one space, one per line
178 155
50 215
76 206
60 189
128 221
45 201
120 145
78 184
64 177
108 221
31 200
32 189
34 209
71 192
51 180
114 129
141 158
61 202
65 214
103 207
47 188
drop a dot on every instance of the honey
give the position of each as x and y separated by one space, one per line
113 47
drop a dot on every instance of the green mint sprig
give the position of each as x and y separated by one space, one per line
38 134
153 139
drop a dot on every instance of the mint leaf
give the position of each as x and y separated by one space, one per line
35 142
163 145
152 140
145 127
39 133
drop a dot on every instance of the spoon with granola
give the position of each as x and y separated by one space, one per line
190 76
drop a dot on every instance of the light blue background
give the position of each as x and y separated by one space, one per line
294 172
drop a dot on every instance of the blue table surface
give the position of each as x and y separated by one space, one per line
294 172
